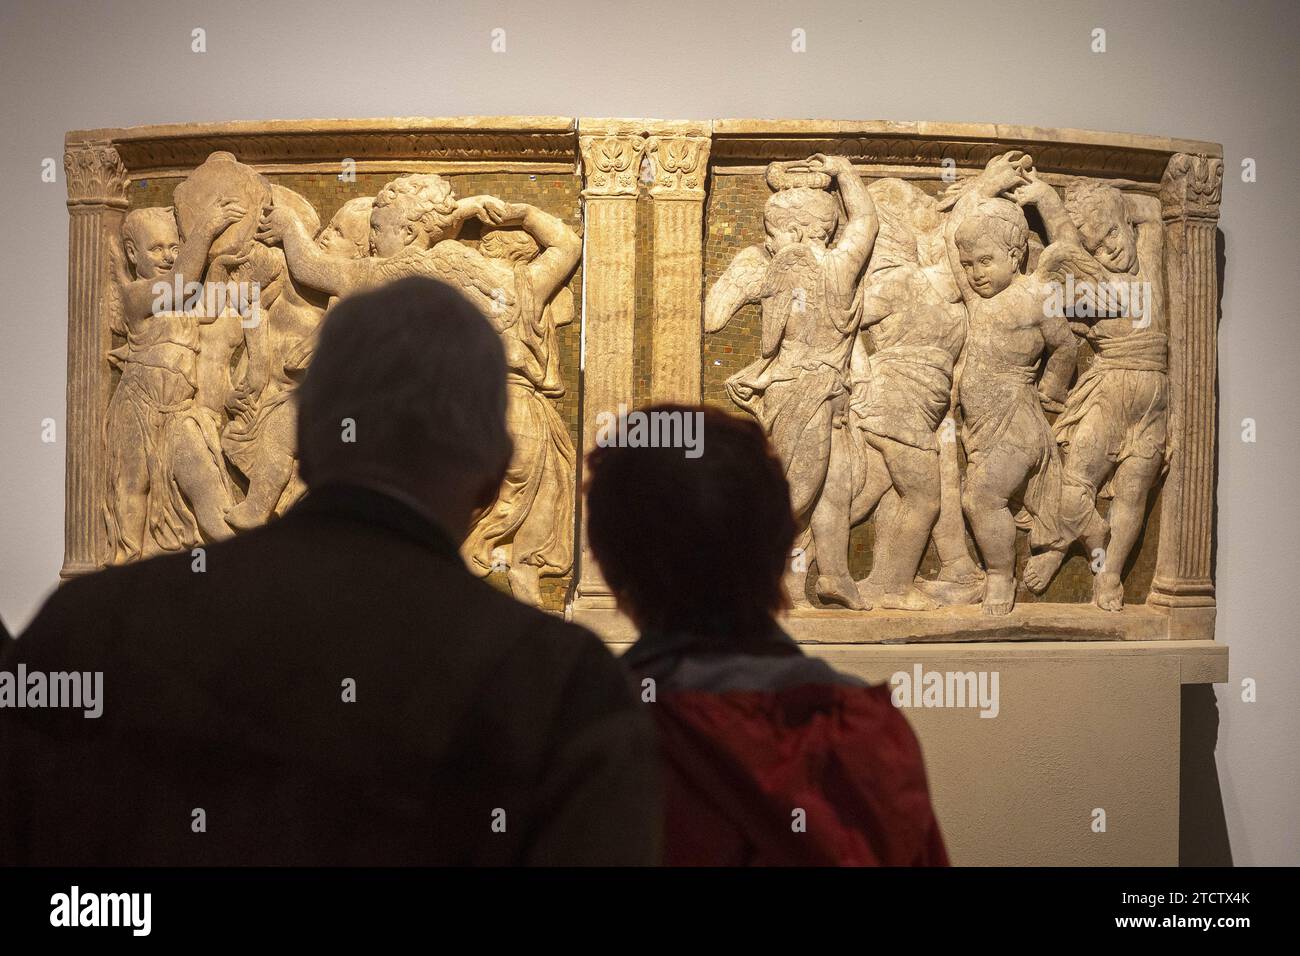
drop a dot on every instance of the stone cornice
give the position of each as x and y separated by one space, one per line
509 139
968 145
513 142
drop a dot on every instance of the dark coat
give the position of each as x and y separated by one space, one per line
223 691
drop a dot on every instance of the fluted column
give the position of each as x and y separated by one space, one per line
611 157
97 188
1183 582
679 153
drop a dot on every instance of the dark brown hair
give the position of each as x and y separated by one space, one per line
694 544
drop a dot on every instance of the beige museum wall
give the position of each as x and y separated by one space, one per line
1223 72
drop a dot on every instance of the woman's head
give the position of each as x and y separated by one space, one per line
693 544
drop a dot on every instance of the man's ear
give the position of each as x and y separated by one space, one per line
129 245
408 231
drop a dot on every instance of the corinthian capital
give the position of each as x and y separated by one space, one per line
1191 187
95 175
611 157
680 157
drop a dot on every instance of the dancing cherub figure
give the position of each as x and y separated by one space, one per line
799 389
158 360
1113 430
1019 360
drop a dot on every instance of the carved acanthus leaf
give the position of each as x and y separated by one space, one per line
1191 187
95 174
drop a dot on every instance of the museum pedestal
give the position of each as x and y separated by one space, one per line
1082 729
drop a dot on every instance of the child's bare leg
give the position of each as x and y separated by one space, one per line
916 479
950 529
1133 481
989 487
265 483
1086 467
877 496
796 568
130 489
526 560
197 477
270 473
873 586
830 527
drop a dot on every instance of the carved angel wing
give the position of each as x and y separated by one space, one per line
1066 258
487 283
953 192
119 277
741 284
795 282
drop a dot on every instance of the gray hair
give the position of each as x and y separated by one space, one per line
421 374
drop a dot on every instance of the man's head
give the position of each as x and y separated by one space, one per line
407 390
801 214
348 234
1099 213
413 210
694 544
151 240
991 243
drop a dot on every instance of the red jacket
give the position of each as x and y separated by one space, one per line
776 759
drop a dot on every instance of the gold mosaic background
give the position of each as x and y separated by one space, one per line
643 321
556 193
734 220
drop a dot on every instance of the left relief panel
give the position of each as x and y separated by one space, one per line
213 282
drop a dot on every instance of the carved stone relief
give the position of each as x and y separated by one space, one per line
923 326
992 371
218 329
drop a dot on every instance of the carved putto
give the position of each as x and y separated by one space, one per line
897 327
219 327
984 354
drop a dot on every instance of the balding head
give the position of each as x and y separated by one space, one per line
421 374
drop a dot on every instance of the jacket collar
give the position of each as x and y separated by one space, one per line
654 644
382 507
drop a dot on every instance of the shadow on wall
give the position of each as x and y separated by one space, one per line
1202 828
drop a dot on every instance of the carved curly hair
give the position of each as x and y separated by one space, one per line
810 208
1087 200
1000 218
137 218
512 245
426 199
